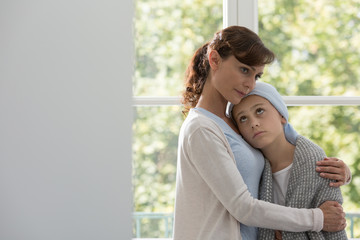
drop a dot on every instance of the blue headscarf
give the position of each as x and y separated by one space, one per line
270 93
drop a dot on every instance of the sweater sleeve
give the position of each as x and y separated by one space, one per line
350 177
307 189
211 157
326 193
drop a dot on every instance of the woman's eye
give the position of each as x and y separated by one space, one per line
257 77
244 70
259 111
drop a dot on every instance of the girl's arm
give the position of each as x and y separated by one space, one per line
324 192
335 169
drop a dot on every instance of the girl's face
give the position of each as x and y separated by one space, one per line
258 121
233 79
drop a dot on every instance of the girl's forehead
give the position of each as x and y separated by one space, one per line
250 102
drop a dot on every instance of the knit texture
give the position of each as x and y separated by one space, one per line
306 189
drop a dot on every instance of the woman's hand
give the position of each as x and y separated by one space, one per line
335 169
334 216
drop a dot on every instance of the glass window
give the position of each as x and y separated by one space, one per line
317 44
155 132
317 47
167 33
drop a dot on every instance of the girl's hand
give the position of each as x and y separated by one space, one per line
335 169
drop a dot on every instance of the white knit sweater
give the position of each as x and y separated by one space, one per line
211 196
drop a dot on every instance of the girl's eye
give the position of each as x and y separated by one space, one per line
242 119
260 111
257 77
244 70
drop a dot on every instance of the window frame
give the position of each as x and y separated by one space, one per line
289 100
246 14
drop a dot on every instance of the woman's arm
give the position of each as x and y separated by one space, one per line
335 169
211 157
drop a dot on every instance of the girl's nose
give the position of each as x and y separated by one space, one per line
254 123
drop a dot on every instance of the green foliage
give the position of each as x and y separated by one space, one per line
167 33
154 152
155 132
316 43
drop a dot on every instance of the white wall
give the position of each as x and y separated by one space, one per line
65 119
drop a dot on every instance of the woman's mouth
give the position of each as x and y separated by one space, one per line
242 94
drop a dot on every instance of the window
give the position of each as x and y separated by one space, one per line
317 47
167 33
317 44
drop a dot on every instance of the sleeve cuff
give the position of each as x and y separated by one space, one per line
349 180
318 220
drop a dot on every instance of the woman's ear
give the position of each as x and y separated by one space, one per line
283 120
214 59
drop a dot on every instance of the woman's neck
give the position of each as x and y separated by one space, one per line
212 101
280 154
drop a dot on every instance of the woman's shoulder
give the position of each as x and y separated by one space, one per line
197 120
198 126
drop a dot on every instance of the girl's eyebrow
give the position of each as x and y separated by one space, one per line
251 108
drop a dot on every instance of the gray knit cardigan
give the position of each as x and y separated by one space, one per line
306 189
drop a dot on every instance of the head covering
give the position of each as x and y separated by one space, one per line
270 93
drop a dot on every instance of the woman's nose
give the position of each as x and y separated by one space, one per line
250 84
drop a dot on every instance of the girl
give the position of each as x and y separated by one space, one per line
289 178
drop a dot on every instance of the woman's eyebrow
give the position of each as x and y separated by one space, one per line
254 69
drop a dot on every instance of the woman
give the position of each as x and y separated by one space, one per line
289 178
211 195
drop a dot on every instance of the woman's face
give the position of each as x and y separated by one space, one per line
233 79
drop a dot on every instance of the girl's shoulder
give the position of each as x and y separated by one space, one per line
305 144
307 152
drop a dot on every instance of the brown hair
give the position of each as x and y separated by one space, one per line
242 43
